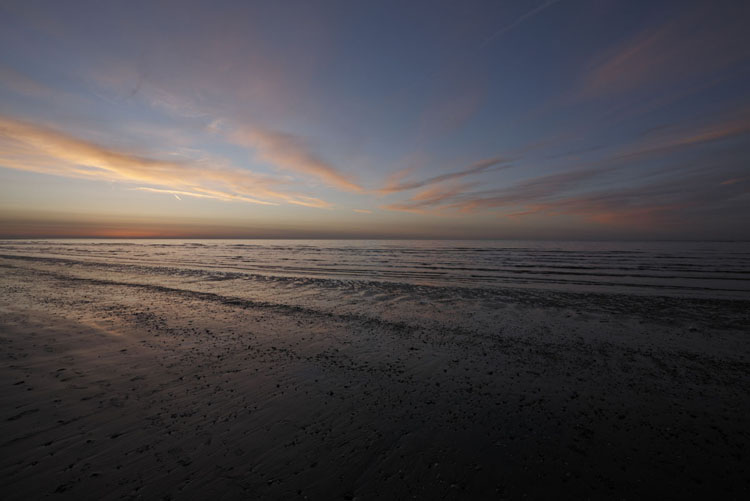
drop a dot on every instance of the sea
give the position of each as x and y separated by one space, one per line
674 269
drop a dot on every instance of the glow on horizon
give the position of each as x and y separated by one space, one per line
504 121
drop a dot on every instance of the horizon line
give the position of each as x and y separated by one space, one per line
491 239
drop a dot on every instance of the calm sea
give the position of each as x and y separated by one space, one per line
677 269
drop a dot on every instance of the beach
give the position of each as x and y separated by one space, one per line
130 377
463 250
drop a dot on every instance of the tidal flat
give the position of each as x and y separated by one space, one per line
121 380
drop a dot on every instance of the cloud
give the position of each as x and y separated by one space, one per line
733 181
214 195
22 84
200 101
396 181
663 201
36 148
540 194
525 192
504 29
289 152
282 150
695 44
682 136
430 198
458 197
681 194
451 109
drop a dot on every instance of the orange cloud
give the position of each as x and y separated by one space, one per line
289 152
30 147
733 181
430 199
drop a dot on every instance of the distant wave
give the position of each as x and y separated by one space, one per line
672 269
365 295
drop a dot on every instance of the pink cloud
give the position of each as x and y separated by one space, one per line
289 152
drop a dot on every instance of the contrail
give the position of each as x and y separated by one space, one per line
476 52
507 28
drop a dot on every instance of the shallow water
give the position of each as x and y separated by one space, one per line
675 269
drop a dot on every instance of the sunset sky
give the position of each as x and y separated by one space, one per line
497 119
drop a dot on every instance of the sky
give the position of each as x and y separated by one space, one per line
533 119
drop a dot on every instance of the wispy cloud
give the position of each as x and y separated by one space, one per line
290 152
680 136
22 84
30 147
734 180
577 190
644 205
460 197
213 195
508 27
664 200
691 45
526 192
451 109
279 149
432 198
397 183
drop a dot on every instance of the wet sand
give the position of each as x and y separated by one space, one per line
115 389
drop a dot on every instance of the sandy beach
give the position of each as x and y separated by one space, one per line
114 387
